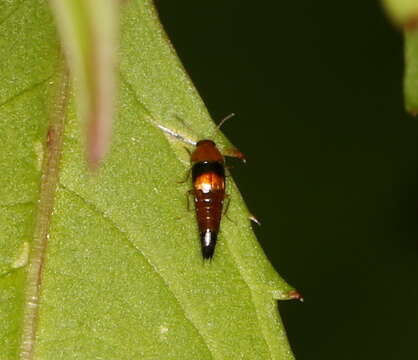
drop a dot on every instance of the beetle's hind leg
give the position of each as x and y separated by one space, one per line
188 194
227 203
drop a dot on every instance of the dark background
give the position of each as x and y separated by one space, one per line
332 171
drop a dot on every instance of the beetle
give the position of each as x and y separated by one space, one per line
208 179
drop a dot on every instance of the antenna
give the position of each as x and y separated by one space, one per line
176 135
224 119
217 128
183 138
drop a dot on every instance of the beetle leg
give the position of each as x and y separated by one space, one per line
186 178
254 219
227 207
188 194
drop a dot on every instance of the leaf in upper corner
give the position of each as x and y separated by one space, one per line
123 277
402 12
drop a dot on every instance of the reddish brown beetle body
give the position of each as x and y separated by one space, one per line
208 175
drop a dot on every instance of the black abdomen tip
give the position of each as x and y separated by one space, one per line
208 240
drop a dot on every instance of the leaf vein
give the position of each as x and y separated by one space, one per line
13 204
50 173
24 91
240 267
138 251
11 13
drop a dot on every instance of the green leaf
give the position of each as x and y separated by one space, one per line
115 270
411 71
405 14
402 12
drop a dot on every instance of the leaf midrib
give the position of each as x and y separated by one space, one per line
49 181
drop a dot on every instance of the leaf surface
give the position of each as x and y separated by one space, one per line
411 71
121 275
402 11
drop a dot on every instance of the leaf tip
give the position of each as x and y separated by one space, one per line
295 295
288 295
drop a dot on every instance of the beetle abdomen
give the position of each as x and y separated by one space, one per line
209 195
